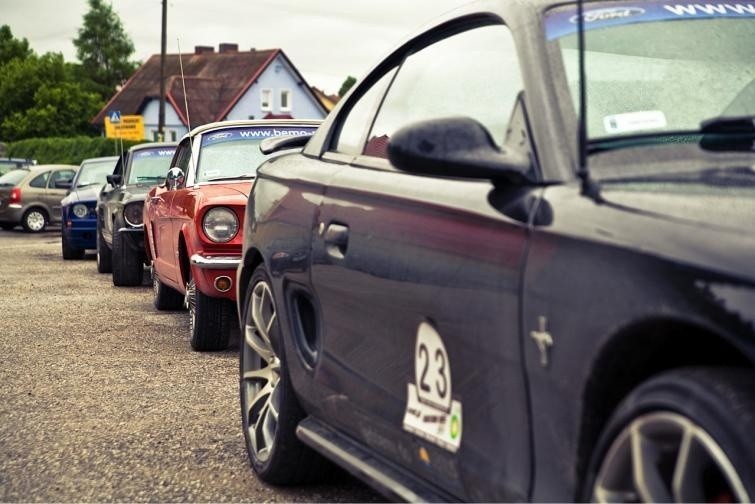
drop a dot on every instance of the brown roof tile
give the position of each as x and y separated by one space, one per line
214 82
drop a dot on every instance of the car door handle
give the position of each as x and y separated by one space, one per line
336 240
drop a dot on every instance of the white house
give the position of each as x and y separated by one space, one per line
223 85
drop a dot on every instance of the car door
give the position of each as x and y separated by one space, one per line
53 193
163 236
418 279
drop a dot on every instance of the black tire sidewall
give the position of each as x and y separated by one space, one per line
128 269
717 400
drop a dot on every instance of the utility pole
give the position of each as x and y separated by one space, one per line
161 119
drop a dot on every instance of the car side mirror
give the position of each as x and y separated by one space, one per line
175 178
456 147
114 179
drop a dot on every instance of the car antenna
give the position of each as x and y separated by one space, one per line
183 84
590 188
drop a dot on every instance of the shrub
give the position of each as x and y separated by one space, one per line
67 150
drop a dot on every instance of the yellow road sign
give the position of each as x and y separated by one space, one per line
131 127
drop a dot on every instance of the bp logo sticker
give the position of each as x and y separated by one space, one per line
431 412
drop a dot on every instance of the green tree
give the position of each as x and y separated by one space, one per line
11 47
350 81
104 48
61 109
21 78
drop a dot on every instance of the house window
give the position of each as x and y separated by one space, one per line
285 99
266 99
172 136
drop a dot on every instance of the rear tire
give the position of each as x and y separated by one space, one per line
70 252
684 436
104 254
166 298
270 410
209 320
35 220
128 269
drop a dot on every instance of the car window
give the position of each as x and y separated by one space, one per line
60 175
94 173
474 73
357 123
149 166
13 177
40 180
183 156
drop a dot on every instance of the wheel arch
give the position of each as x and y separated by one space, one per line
635 354
184 266
252 259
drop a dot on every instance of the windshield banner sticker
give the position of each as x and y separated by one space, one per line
635 121
146 153
236 134
431 412
560 23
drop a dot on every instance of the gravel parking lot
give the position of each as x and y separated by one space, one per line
104 400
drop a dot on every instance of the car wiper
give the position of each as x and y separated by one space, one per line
740 124
232 177
728 134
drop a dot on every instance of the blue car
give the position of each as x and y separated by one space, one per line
79 230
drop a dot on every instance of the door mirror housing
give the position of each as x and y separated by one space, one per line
114 179
456 147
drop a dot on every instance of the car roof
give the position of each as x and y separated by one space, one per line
38 168
253 122
98 159
152 145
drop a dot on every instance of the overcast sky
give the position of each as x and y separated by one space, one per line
327 40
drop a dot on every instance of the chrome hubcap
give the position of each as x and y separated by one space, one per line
35 221
190 302
665 457
260 369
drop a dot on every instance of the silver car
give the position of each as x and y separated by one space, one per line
32 197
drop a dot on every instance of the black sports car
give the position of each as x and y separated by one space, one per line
460 290
120 230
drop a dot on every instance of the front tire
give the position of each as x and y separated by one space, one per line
104 254
209 320
34 220
683 436
128 269
270 410
70 252
166 298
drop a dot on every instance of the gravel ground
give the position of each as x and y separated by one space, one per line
103 399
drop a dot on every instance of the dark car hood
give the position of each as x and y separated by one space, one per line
722 198
85 194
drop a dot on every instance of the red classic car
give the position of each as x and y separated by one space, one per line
193 222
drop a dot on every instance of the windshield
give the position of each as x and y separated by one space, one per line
658 67
149 166
235 152
94 172
13 177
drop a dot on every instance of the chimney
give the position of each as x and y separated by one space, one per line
203 49
228 48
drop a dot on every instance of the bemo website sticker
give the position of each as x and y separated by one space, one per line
431 412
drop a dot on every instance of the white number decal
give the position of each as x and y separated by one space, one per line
431 368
